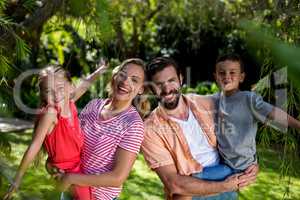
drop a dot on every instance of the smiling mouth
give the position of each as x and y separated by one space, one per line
123 89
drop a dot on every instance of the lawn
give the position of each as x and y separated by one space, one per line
144 184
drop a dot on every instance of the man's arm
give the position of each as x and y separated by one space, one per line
281 117
186 185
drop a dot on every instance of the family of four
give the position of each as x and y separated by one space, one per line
201 147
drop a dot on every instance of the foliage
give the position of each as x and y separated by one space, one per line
145 184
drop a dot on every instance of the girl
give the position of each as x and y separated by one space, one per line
57 126
113 131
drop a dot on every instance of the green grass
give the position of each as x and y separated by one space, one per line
144 184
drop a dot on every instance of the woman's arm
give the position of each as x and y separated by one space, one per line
44 124
85 83
115 178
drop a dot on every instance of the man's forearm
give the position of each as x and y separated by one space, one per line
186 185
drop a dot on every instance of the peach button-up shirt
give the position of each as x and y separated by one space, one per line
164 142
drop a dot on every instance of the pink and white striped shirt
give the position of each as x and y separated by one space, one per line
103 137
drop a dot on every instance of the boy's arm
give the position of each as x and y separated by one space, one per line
281 117
85 83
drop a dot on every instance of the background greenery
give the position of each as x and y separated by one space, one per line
77 33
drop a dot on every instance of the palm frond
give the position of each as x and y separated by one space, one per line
30 5
22 49
3 4
4 64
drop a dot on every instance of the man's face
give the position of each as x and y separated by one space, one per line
166 85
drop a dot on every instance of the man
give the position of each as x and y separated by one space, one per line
180 139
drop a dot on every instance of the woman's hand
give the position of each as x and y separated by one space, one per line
55 172
64 182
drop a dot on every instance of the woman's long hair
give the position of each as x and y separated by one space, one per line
140 102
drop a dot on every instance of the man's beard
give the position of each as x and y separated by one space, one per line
172 104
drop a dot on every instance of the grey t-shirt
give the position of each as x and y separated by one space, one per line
237 119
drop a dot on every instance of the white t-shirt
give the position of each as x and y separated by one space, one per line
201 150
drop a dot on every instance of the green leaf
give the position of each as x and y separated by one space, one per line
29 5
4 65
3 4
22 49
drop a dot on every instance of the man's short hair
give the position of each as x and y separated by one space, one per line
160 63
231 57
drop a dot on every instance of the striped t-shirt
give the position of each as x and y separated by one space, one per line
103 137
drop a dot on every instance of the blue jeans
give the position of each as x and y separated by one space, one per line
216 173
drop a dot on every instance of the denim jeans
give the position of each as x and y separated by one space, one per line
216 173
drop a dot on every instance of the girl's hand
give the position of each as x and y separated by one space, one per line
101 66
11 190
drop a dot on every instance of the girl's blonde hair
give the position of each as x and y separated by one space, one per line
140 102
50 70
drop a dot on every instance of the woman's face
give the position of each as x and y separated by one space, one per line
128 82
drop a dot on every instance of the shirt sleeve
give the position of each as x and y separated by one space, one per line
133 137
89 108
259 107
154 150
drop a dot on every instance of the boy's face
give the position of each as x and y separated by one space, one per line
228 76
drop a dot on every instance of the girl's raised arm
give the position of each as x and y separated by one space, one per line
46 122
85 83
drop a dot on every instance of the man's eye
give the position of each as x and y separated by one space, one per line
159 84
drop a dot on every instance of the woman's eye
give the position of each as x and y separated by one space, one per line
134 80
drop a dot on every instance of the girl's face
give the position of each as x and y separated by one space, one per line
48 90
56 88
128 82
62 88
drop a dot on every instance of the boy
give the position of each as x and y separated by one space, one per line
238 114
237 117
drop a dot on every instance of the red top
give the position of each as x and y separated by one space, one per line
65 142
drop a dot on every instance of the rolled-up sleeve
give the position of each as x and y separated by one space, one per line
154 150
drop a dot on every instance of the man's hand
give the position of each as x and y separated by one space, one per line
249 176
232 182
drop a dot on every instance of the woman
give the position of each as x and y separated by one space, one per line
113 131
